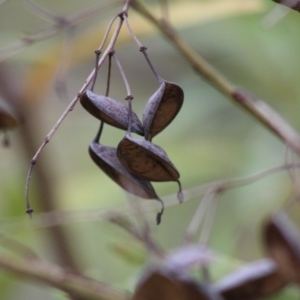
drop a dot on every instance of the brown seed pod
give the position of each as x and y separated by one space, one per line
162 108
7 120
282 243
106 159
110 111
147 161
170 286
255 280
293 4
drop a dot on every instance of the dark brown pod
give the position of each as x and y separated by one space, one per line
162 108
282 243
146 161
293 4
106 159
7 120
110 111
255 280
160 285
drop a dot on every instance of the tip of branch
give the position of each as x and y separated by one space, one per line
29 212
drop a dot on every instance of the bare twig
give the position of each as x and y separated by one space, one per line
19 248
146 239
45 220
42 11
51 30
128 90
70 107
143 49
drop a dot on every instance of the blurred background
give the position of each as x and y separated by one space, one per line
211 138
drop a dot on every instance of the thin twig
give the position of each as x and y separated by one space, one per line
128 90
108 75
129 97
70 107
143 49
41 11
209 219
51 30
126 224
56 218
66 55
19 248
198 217
164 10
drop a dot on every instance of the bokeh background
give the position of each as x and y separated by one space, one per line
211 138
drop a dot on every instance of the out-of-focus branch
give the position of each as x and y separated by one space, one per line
259 109
52 29
74 284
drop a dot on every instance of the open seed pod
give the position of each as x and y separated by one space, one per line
255 280
106 159
160 285
147 161
282 243
162 108
110 111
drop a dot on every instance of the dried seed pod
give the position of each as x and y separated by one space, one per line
255 280
6 119
162 108
293 4
110 111
282 243
106 158
147 161
166 285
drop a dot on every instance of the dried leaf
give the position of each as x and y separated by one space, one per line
162 108
110 111
253 281
159 285
282 243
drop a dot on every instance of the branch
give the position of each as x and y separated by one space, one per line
260 110
60 278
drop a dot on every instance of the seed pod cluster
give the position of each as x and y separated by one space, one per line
136 162
265 277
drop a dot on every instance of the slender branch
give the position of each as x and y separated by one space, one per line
45 220
19 248
143 49
198 217
41 11
144 237
127 86
70 107
65 62
74 284
256 107
108 75
51 30
164 10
